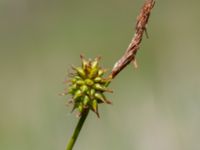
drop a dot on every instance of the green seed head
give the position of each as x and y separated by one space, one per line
87 86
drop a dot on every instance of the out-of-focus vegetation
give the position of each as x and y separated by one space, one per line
155 106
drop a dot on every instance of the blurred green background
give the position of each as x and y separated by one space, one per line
155 107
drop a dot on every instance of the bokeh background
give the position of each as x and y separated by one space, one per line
155 107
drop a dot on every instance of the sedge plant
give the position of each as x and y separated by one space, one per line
88 84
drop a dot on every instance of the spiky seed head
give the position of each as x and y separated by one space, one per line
87 86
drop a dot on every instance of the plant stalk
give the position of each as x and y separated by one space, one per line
77 130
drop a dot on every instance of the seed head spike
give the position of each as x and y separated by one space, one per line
87 86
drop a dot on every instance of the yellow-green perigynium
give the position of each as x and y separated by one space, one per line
87 86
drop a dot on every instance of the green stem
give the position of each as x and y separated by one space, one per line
77 130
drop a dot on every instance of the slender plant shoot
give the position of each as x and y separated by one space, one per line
87 84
